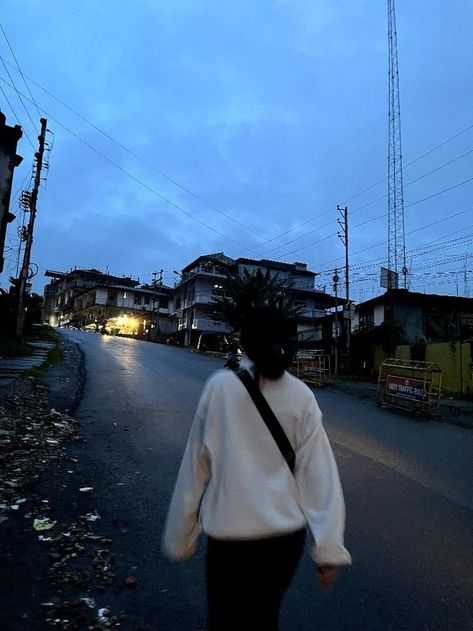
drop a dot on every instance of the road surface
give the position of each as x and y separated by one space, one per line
408 489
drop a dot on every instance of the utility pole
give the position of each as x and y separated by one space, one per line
335 289
156 281
25 269
343 235
343 223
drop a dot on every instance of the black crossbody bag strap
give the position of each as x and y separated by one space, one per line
269 418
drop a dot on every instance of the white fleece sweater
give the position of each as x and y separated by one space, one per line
233 482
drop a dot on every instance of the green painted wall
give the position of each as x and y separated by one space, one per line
457 369
456 363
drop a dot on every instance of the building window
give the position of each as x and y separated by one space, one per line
146 300
366 321
178 302
218 290
137 300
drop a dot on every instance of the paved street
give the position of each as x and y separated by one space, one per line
408 487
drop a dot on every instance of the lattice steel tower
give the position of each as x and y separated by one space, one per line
396 231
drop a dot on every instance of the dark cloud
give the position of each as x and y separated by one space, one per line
270 112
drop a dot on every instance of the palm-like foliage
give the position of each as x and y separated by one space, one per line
246 290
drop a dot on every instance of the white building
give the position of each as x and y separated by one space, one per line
193 306
202 280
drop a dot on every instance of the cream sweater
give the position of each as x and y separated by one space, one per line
233 482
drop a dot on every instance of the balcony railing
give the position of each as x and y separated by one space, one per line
311 313
211 325
198 299
207 271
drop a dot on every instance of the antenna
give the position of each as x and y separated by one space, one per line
396 231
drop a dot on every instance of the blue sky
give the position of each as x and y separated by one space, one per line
238 126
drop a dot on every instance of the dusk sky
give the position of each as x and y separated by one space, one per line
184 128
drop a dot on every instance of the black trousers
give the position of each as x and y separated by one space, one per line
246 581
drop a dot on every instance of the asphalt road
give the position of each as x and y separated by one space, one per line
408 488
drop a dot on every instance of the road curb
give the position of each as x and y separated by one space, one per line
66 379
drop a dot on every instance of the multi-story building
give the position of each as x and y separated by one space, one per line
193 306
201 281
9 137
92 299
300 292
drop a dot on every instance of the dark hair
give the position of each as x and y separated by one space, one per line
267 338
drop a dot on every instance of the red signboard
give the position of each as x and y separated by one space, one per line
406 387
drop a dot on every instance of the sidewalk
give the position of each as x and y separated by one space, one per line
56 562
454 411
12 367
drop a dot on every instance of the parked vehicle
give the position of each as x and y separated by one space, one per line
209 341
233 356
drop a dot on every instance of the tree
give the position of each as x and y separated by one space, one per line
246 290
365 339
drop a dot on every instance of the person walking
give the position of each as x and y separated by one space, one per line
255 484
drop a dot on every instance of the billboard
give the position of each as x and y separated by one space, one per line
389 279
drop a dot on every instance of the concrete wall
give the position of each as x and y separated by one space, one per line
378 315
411 319
455 361
101 296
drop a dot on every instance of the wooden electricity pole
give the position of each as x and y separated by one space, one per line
25 268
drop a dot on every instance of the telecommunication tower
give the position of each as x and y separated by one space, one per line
396 230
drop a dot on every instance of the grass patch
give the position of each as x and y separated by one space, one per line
55 355
43 332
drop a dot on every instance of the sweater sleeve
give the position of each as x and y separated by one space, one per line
321 493
183 525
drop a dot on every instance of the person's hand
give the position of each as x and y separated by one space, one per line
326 576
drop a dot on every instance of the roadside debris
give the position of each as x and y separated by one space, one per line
130 581
44 524
81 568
32 435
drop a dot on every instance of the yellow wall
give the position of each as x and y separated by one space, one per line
379 357
403 352
457 373
457 369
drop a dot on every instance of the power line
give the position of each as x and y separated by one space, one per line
204 223
445 190
16 116
417 252
18 94
146 162
134 177
19 69
383 197
190 192
434 223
